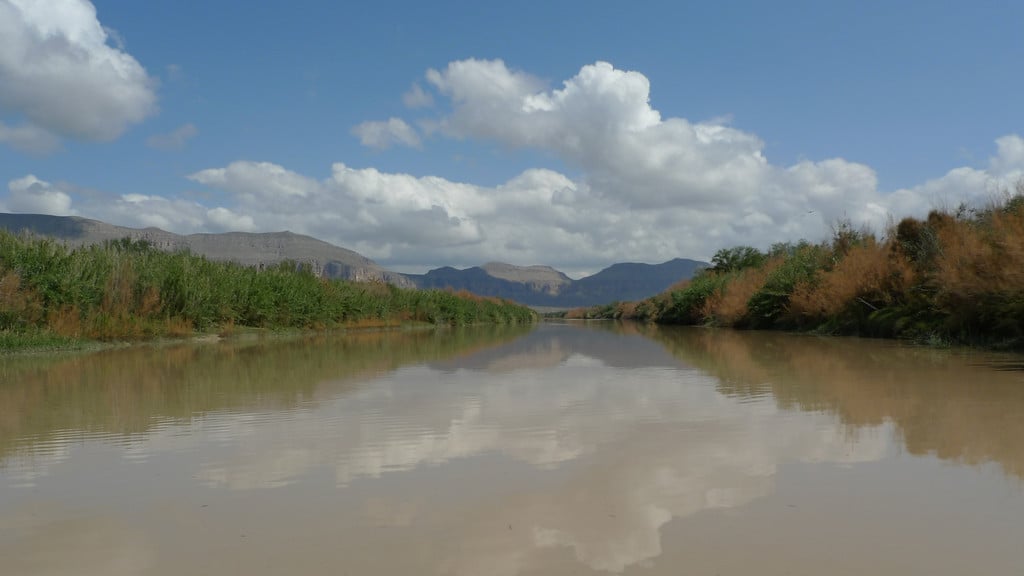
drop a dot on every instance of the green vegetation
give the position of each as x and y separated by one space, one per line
954 277
127 290
735 259
36 340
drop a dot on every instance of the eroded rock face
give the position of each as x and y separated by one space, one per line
543 279
248 249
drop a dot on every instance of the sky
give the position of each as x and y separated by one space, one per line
571 134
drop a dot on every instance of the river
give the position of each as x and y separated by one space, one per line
566 448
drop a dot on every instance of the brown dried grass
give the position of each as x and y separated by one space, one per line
985 258
17 300
728 306
65 321
871 272
179 327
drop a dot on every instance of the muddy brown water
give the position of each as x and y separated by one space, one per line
564 449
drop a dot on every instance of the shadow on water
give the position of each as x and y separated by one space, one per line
127 391
958 405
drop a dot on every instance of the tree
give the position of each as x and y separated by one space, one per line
737 258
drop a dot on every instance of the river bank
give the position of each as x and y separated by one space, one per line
128 291
955 277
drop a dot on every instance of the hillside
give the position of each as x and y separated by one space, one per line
545 286
250 249
543 279
630 281
530 285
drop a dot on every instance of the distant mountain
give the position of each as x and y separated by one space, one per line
544 279
250 249
530 285
545 286
630 281
478 281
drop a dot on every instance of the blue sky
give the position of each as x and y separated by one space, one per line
703 126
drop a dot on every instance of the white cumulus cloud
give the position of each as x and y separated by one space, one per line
417 97
579 225
361 209
228 221
387 133
637 185
601 121
59 73
28 138
30 195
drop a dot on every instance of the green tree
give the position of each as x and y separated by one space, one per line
737 258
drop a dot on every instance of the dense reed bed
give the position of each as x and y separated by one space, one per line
128 290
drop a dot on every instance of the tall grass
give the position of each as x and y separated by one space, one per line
955 276
129 290
978 275
869 278
728 306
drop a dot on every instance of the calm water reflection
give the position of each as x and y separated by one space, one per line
567 449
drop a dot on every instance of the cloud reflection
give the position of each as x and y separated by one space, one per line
638 446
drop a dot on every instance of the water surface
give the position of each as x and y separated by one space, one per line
568 449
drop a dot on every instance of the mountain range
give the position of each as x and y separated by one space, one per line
545 286
530 285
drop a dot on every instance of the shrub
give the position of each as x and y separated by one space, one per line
728 306
769 305
685 305
737 258
869 278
